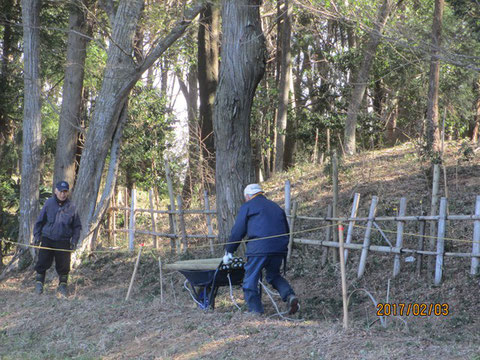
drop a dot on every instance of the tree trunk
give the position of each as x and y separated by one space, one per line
360 83
32 122
433 131
241 69
193 176
476 109
121 74
284 83
70 117
208 55
7 47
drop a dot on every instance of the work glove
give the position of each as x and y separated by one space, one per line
227 258
73 245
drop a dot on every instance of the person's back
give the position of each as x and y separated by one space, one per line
266 219
265 224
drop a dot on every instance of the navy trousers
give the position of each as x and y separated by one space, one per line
253 273
46 256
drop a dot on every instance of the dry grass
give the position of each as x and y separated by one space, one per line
95 322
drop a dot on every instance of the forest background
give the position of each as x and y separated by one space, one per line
89 92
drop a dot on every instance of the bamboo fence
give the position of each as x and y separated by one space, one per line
179 236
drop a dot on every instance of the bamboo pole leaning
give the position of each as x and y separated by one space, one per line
292 230
399 242
351 223
366 239
441 241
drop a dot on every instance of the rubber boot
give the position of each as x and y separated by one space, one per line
40 280
62 285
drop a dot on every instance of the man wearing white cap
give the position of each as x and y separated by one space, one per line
262 219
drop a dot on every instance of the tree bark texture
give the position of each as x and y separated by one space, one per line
476 110
120 75
284 82
8 43
433 131
194 171
70 117
208 56
241 69
360 83
32 122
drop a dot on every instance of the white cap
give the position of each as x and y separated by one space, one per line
252 189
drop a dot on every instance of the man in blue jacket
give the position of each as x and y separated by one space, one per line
258 218
57 228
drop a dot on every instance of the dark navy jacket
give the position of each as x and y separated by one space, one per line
260 218
58 222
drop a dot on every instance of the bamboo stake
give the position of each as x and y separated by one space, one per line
172 231
328 235
399 243
172 201
110 225
131 233
441 241
209 220
182 224
292 230
126 212
433 212
288 200
154 219
420 246
351 223
114 224
366 240
344 280
335 197
315 148
476 240
134 272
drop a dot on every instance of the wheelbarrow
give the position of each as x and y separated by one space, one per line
204 277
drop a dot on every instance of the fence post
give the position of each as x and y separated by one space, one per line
172 200
442 221
114 224
154 218
351 223
209 220
126 212
328 235
433 212
292 229
287 200
131 230
476 240
399 243
172 230
335 200
366 240
181 219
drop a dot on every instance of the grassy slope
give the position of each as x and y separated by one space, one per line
96 322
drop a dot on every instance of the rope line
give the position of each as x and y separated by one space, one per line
197 246
425 236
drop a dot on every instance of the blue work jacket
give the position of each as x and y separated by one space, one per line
258 218
58 221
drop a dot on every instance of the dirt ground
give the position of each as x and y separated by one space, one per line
95 321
